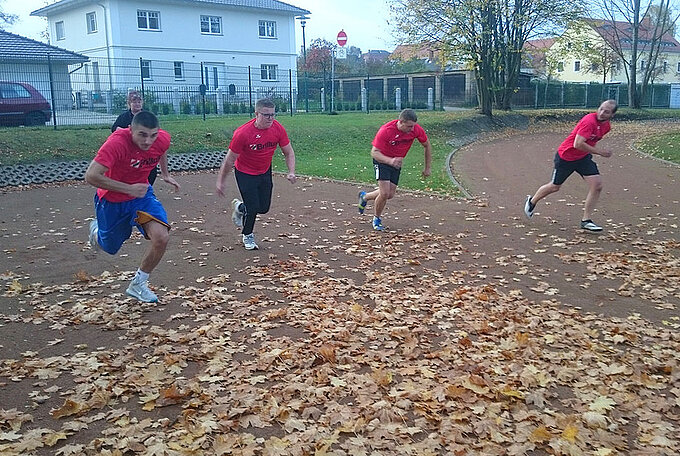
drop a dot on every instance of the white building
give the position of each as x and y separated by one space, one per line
219 43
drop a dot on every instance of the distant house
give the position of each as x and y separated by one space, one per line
534 56
575 67
427 52
375 55
25 60
190 42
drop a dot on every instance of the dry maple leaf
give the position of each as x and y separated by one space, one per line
70 407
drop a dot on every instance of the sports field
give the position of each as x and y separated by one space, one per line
462 329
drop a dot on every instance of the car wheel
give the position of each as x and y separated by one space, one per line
34 118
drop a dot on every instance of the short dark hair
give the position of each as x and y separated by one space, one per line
408 115
146 119
264 103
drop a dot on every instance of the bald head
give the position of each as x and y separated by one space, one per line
607 110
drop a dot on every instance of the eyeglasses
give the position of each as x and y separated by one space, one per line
268 116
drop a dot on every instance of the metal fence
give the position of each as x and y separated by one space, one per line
94 92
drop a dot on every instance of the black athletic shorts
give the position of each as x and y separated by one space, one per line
563 168
385 172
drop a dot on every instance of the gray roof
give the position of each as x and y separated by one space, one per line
19 48
273 5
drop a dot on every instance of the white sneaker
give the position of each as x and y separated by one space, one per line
93 238
249 242
589 225
236 215
528 207
141 292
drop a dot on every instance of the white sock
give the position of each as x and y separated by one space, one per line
141 276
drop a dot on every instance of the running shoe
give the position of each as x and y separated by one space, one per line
528 207
249 242
236 214
377 224
362 201
589 225
93 237
139 289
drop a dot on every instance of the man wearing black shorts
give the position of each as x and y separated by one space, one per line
576 154
390 146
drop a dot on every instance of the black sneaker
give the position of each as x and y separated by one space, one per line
589 225
528 207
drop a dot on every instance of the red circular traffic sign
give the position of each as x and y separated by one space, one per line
342 38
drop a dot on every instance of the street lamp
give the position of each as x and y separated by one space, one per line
303 22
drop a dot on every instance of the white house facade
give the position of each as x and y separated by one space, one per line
178 43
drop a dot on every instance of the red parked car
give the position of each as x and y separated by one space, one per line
22 104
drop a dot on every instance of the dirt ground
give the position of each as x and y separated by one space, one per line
464 328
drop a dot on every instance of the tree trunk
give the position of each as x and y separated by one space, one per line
484 94
633 95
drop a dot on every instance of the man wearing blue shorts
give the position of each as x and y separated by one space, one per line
124 198
576 154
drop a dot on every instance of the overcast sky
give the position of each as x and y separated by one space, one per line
364 21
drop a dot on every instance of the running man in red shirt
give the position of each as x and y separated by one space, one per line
251 151
124 198
576 154
390 146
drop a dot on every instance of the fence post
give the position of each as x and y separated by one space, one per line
218 101
364 101
368 93
585 104
562 95
141 76
250 93
175 100
430 99
54 109
290 89
397 98
536 96
323 99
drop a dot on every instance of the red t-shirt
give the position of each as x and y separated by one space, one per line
588 127
395 143
255 147
128 163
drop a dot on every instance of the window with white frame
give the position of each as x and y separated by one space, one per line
59 30
678 68
665 66
211 25
179 71
643 64
148 20
577 65
91 19
268 72
145 67
560 67
267 29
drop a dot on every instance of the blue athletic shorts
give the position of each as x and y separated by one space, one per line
385 172
115 220
563 168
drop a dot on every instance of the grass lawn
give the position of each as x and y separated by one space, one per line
665 146
335 146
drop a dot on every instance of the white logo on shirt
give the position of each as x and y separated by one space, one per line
135 163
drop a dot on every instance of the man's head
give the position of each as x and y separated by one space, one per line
607 110
144 129
265 111
135 101
407 120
